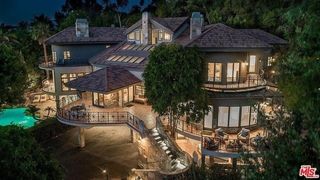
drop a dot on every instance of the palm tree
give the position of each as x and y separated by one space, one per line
32 111
40 32
49 109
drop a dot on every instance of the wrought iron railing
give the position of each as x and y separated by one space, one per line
48 64
95 118
193 128
240 83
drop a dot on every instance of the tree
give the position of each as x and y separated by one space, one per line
173 80
40 32
32 110
13 78
23 158
299 126
49 109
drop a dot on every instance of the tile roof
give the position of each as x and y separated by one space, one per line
222 36
264 36
127 55
172 23
96 35
104 80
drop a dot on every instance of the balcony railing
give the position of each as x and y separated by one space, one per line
250 83
45 65
48 86
85 118
192 128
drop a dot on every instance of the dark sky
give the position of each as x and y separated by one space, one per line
14 11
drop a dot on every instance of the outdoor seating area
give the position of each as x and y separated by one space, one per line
245 140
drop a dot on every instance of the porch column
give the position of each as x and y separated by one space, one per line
81 138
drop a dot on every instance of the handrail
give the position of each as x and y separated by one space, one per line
249 82
180 153
102 118
193 128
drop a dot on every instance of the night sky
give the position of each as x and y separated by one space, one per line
14 11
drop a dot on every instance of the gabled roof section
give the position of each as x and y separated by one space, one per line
172 23
97 35
104 80
264 36
222 36
128 55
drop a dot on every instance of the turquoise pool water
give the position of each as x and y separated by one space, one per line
16 116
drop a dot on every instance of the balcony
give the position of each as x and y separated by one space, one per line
48 86
79 116
46 65
221 144
251 83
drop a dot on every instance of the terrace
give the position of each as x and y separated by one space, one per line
219 143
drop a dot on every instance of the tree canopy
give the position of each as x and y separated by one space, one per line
173 79
23 158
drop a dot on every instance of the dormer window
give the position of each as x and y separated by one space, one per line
135 35
66 55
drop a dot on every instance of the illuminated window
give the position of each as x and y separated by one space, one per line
214 72
54 56
252 63
245 115
223 116
131 36
234 116
233 72
167 36
210 71
66 55
65 78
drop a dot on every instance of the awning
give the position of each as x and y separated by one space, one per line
104 80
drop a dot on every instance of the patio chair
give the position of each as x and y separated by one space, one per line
244 135
221 135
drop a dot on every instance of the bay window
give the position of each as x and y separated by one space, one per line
233 116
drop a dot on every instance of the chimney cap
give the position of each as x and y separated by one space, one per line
81 20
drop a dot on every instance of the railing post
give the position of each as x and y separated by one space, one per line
98 117
108 117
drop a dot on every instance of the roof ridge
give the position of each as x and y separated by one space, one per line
60 32
202 34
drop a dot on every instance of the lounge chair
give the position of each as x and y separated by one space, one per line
244 135
221 135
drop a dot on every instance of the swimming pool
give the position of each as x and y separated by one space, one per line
16 116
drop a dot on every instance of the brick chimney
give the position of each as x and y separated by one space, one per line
82 28
196 24
145 28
